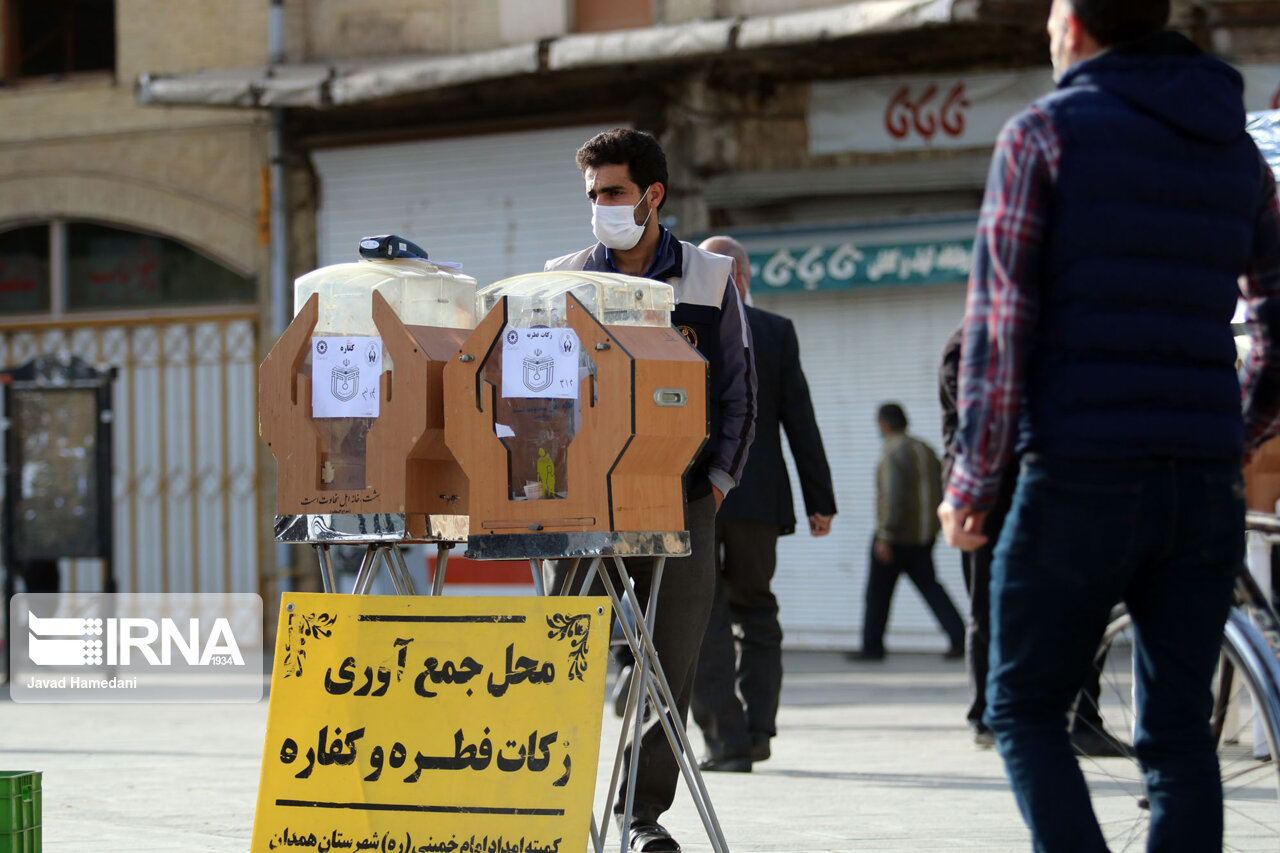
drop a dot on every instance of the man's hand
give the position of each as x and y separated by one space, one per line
819 524
719 496
962 527
883 551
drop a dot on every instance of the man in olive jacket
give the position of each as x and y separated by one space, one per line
908 486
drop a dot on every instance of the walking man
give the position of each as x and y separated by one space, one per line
625 172
736 690
908 484
1120 213
1089 734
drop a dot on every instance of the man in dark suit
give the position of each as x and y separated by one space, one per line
736 690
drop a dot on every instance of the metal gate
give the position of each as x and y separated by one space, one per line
186 482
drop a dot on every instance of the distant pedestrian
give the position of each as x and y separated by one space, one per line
1089 735
739 676
908 484
976 564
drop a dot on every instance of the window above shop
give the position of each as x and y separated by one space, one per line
593 16
24 270
56 38
84 266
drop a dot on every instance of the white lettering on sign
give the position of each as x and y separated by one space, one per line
846 265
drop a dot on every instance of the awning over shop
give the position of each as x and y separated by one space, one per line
350 82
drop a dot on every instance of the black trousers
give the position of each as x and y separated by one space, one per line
739 677
976 566
684 604
916 561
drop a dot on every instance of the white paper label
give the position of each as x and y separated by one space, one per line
346 374
540 363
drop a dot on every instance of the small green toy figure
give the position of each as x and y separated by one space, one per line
546 474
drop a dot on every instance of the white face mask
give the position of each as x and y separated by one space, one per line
615 225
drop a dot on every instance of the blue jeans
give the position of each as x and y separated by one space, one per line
1167 537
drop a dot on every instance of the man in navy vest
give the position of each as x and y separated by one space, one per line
1121 214
626 182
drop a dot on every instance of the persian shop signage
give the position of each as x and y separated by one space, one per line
847 264
926 111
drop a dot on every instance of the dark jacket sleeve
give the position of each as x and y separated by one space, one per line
737 391
797 418
948 373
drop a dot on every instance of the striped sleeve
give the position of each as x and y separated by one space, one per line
1002 305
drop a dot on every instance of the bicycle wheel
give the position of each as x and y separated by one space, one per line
1246 723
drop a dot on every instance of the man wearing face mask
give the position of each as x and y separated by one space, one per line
626 176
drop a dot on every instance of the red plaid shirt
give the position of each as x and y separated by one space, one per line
1004 303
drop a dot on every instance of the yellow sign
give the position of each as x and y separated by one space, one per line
433 724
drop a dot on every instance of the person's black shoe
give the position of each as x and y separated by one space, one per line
621 690
650 838
864 657
725 765
983 737
1097 742
954 653
760 748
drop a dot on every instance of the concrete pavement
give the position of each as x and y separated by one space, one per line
871 757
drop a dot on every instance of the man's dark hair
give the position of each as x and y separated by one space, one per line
892 416
1112 22
635 149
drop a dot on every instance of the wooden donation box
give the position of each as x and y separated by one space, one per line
575 408
351 403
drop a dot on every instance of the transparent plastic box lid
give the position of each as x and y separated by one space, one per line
538 299
420 292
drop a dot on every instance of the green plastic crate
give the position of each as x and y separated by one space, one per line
19 811
26 841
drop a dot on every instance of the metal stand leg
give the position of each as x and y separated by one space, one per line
650 684
442 559
398 567
387 553
535 566
326 567
375 554
368 569
571 576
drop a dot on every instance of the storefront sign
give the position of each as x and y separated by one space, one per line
924 112
911 113
433 723
848 264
